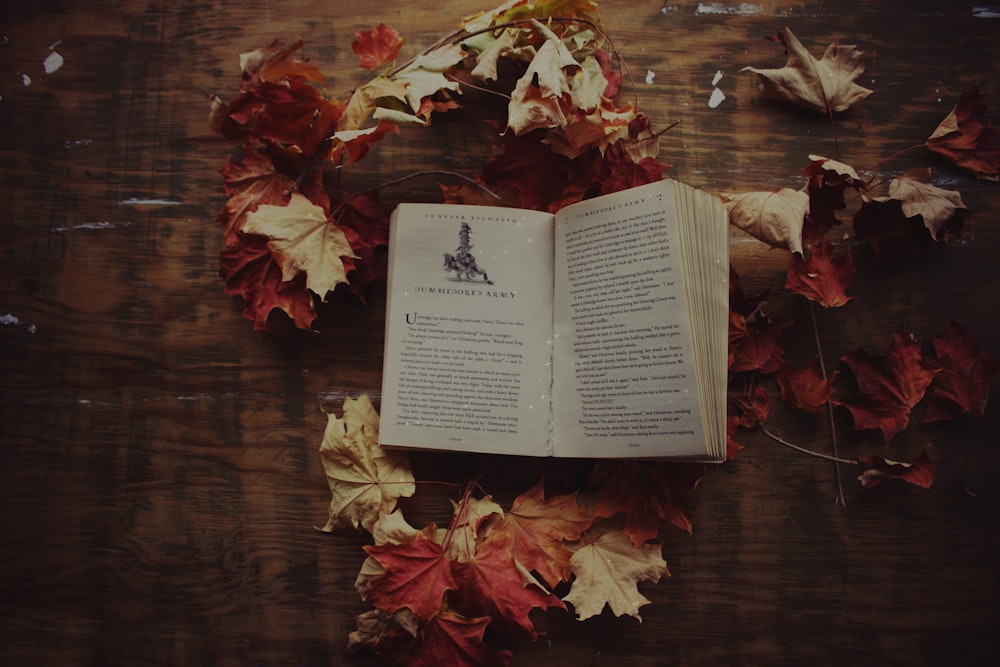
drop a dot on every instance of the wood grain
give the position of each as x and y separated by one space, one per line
159 479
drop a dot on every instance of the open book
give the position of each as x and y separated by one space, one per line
600 331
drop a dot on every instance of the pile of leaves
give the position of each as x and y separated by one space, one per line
562 135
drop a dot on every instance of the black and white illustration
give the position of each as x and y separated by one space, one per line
463 262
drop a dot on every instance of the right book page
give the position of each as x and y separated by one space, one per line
641 325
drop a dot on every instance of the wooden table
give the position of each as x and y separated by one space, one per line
160 477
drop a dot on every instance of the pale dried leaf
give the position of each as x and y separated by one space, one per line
776 218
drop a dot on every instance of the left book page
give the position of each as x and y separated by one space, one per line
468 342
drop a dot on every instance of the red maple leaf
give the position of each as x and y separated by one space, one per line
963 138
732 447
377 47
962 386
491 584
890 385
450 639
761 349
920 471
805 389
647 492
281 64
295 114
366 224
823 277
892 234
828 180
538 526
755 406
417 576
528 167
250 271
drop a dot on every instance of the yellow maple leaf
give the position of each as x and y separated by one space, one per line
302 239
365 480
608 567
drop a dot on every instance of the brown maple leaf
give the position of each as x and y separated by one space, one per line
920 471
377 47
822 277
492 584
828 179
776 218
963 138
647 492
805 388
890 385
962 386
940 209
826 85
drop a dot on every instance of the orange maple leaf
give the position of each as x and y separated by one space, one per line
377 47
538 527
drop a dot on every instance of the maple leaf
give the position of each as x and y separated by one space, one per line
416 575
537 529
364 479
295 116
302 239
940 209
920 471
275 63
805 388
828 179
492 584
755 406
890 385
452 639
365 223
761 349
892 234
732 447
963 138
250 182
461 538
822 277
425 75
352 145
608 567
647 492
962 386
382 632
377 47
776 218
250 271
825 85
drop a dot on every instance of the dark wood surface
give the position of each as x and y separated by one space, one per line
159 475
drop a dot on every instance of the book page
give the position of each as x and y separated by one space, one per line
468 330
624 377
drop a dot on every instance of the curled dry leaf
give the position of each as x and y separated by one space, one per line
826 85
776 218
365 480
920 471
966 140
940 209
822 277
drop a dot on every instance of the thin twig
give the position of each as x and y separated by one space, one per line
819 455
430 172
841 499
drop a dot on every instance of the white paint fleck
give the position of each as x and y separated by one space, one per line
53 62
650 75
25 79
78 143
743 9
98 224
717 78
716 99
12 320
133 201
986 12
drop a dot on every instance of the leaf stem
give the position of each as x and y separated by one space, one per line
430 172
